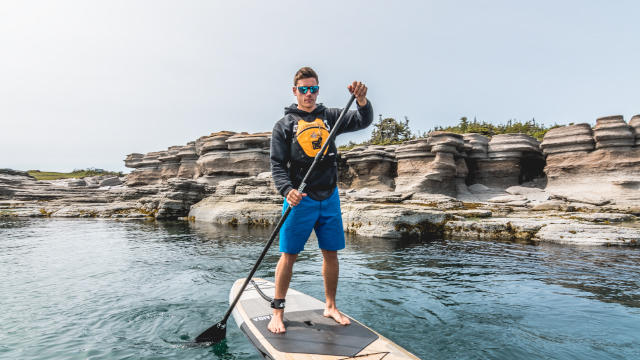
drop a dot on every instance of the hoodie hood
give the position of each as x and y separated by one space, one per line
293 109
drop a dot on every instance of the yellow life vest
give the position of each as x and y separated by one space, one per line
310 136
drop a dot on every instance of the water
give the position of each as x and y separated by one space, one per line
91 289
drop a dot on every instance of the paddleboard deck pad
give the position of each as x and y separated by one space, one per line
309 335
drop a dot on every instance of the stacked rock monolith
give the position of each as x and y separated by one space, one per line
371 167
227 155
428 165
613 131
578 137
609 170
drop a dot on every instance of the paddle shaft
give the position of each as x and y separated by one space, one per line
320 154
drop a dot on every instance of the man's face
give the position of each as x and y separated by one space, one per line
306 102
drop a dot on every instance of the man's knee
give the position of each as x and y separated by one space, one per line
330 255
288 260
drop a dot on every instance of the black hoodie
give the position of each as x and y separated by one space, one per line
322 182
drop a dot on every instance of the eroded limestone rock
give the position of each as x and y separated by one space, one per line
147 170
428 165
511 160
478 144
613 131
578 137
371 167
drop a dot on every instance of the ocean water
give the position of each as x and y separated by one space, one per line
100 289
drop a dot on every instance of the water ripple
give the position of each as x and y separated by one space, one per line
91 289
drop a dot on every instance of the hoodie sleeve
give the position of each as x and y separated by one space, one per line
355 119
280 152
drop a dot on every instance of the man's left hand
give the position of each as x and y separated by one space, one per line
360 91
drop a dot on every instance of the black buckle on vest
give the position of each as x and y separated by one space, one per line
277 303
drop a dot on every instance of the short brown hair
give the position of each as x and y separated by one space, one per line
304 73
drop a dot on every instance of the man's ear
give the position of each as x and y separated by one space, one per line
294 90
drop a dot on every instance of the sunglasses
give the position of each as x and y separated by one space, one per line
304 89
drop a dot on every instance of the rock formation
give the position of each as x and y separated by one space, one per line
578 137
478 143
188 157
371 167
511 159
169 163
147 169
243 155
593 177
220 156
428 165
613 131
635 125
606 172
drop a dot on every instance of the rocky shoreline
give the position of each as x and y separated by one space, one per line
578 186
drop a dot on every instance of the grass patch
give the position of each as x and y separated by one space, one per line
78 174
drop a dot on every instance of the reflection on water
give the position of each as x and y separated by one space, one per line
112 290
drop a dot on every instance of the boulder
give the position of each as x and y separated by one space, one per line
570 138
478 188
613 131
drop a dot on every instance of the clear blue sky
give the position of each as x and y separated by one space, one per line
84 83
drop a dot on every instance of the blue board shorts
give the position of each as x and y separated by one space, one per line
323 216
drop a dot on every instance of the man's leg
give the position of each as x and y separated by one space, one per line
284 270
330 272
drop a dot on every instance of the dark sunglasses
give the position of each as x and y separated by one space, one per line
303 89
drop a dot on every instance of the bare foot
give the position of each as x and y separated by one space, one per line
336 315
276 325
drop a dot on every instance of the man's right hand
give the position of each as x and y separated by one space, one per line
294 197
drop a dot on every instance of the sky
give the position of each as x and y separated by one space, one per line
84 83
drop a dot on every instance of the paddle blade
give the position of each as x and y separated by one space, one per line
214 334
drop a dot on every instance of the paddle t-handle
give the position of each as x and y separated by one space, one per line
218 332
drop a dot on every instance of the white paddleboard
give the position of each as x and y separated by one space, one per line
309 334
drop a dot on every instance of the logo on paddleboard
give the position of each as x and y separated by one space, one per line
261 318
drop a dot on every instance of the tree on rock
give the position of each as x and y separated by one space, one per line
388 131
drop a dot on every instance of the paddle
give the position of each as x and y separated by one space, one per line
218 332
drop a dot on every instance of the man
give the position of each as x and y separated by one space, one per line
296 139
